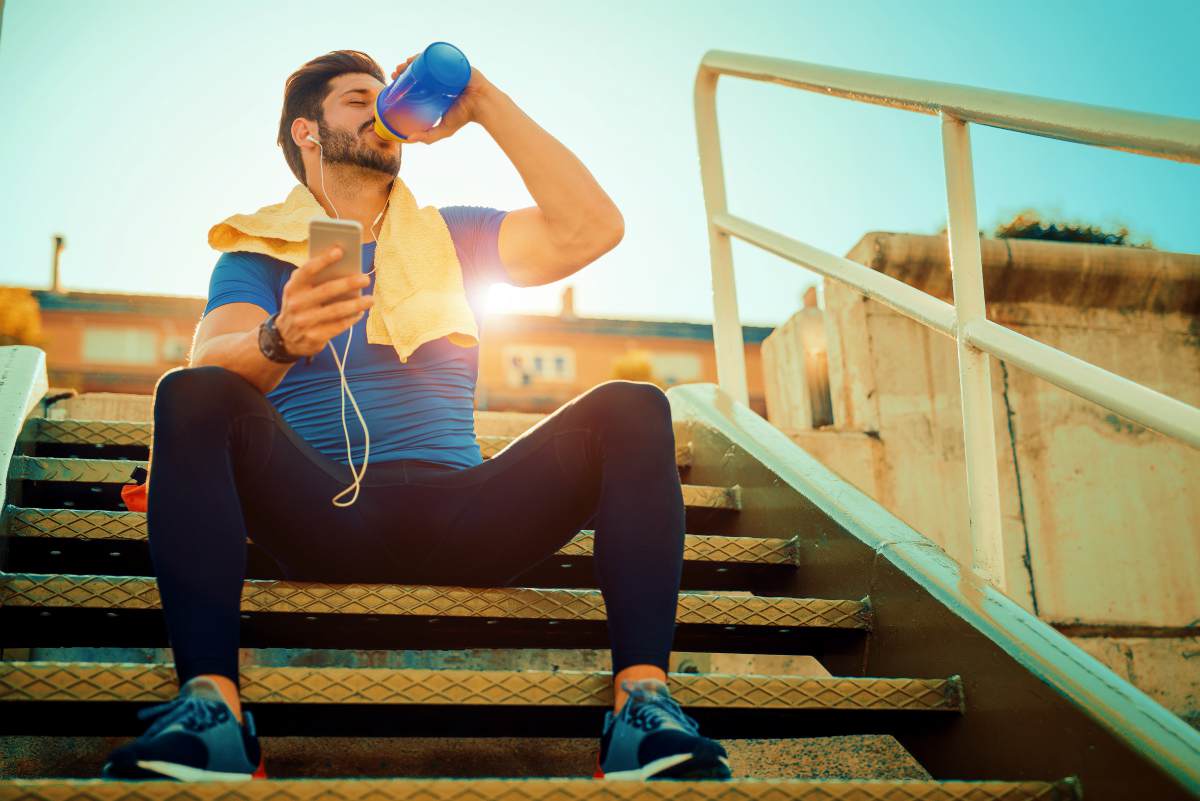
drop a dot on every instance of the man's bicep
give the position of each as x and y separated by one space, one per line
242 278
229 318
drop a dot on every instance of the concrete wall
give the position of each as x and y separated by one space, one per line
1101 523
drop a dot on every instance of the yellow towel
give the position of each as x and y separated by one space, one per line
419 294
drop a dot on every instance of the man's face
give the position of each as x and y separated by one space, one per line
347 133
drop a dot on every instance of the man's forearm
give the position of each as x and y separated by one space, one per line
574 204
239 352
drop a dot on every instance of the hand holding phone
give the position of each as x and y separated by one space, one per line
323 297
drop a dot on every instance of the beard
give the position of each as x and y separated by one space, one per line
343 147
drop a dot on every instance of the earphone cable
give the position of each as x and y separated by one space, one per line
345 386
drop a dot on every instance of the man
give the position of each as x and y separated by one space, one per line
248 442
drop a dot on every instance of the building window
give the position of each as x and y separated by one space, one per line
120 346
525 365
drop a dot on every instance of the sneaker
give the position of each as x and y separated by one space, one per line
652 738
194 738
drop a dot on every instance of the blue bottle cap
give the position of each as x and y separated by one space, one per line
447 65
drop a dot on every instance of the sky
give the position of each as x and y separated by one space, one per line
133 126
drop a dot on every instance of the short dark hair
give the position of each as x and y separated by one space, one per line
306 90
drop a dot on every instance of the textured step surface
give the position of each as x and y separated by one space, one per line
83 681
118 471
141 434
112 525
111 592
134 407
519 789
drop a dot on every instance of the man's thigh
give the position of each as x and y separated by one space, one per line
287 504
487 524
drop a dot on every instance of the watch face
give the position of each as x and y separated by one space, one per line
270 343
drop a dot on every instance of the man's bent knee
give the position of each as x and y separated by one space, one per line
193 394
641 395
636 405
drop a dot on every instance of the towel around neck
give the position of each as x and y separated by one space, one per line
419 293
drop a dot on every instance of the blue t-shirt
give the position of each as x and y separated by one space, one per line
422 409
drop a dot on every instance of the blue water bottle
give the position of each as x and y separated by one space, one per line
420 95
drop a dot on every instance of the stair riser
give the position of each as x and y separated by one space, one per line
132 558
107 497
94 469
551 659
362 720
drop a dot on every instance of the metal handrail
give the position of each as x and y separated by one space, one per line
965 320
23 384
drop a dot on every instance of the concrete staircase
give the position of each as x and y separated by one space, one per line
378 690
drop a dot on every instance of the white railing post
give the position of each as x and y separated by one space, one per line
23 384
974 370
727 326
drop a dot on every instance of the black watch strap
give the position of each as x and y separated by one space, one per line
270 343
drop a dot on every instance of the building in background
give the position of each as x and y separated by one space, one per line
123 342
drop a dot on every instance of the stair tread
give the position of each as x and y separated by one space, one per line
136 407
557 788
266 595
141 433
118 471
100 524
98 681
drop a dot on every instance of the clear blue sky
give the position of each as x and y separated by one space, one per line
132 127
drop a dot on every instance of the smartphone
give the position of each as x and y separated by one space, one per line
325 233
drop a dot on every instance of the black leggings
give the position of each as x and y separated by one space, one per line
226 467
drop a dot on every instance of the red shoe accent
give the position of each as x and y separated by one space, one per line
261 773
599 774
135 497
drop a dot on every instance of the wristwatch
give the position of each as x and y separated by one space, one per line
271 343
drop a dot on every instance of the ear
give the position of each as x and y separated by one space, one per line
301 130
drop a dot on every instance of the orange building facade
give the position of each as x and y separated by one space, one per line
116 342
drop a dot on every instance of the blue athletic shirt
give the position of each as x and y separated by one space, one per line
423 409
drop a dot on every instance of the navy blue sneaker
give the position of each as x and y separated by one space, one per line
193 738
652 738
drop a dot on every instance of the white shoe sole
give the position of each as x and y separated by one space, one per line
654 768
186 773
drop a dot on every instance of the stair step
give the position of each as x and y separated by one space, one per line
546 659
131 526
96 681
140 433
730 610
118 471
121 406
560 789
865 756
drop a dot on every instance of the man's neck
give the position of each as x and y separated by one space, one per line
358 194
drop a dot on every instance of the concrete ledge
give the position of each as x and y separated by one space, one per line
1031 270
